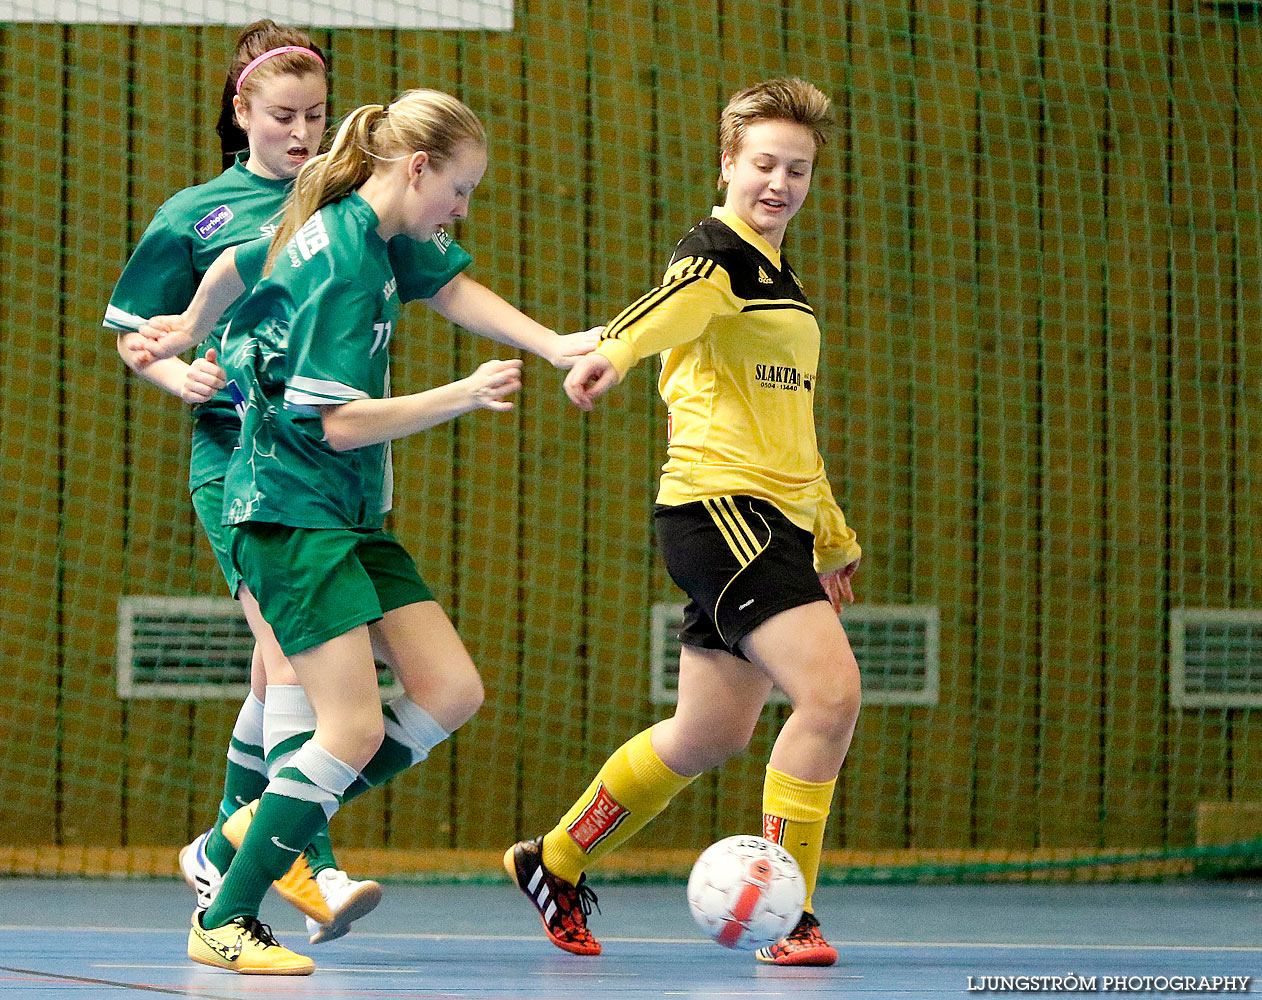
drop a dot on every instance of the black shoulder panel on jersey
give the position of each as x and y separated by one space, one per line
753 276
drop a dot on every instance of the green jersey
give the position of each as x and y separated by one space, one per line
189 231
314 332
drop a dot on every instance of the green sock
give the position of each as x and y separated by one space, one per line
320 851
298 802
245 777
290 723
411 733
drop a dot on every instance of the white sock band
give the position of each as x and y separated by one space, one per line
287 716
245 749
327 778
416 729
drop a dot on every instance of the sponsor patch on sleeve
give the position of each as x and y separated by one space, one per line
210 224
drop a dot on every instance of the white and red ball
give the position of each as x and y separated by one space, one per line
746 892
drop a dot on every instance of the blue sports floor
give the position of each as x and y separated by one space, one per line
124 939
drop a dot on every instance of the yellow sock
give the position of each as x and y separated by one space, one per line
793 815
632 788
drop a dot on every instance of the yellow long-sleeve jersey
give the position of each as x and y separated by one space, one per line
739 346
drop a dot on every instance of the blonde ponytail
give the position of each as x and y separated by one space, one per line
426 120
329 176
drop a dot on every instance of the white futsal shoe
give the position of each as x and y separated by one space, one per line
200 872
347 899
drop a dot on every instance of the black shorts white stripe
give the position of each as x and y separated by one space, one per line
740 561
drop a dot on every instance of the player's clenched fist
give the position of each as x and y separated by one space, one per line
591 377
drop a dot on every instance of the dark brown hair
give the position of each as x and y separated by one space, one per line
257 38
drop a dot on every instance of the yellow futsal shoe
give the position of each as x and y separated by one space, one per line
245 946
298 885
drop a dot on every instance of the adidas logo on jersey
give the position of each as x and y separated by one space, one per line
762 277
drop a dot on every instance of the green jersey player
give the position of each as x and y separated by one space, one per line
274 105
306 492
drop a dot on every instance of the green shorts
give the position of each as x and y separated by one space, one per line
208 503
314 584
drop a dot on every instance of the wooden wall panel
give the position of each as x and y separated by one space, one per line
1137 372
876 404
1247 482
210 49
986 246
1009 261
32 65
1074 234
1202 377
944 401
95 784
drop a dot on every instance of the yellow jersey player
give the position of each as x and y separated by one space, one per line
745 520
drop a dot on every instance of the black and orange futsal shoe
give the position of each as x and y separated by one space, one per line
804 945
562 907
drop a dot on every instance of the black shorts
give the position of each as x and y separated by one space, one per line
740 561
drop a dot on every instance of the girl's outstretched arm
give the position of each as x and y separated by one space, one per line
479 310
167 336
362 422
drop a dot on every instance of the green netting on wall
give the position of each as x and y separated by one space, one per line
1035 249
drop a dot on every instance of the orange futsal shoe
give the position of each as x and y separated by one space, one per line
804 945
562 907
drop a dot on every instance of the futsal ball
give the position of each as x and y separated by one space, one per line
746 892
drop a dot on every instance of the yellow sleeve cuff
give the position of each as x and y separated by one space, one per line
834 559
620 354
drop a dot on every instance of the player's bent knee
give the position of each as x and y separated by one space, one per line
718 746
459 699
833 712
468 699
362 738
831 706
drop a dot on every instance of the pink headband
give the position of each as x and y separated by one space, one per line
253 63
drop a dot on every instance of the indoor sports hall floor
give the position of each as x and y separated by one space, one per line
114 939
